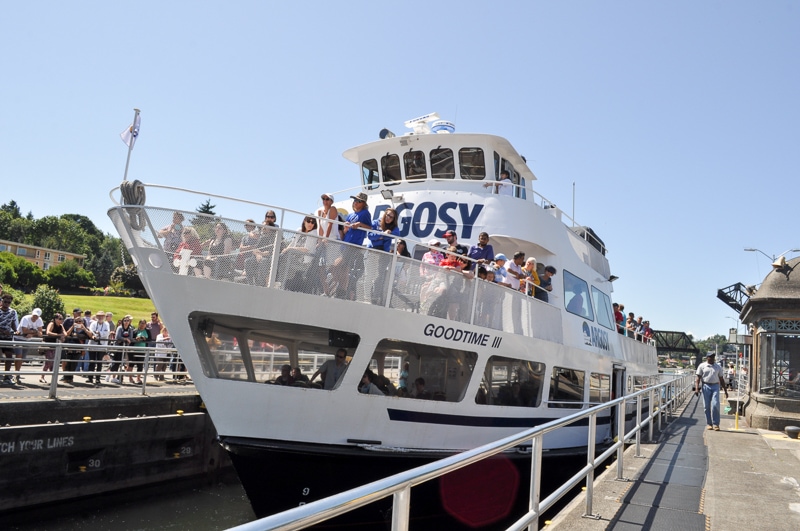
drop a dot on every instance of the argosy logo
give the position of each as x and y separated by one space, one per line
421 220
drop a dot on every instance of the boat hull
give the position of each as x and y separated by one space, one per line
489 494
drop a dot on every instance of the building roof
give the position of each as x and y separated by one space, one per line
780 290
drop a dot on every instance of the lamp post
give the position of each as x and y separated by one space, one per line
773 257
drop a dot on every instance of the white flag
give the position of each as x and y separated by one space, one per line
130 133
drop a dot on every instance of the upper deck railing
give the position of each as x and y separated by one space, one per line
305 263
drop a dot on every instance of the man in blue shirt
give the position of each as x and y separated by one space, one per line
348 269
360 218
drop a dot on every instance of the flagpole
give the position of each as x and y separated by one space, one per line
130 145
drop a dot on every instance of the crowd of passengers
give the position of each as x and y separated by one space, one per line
335 270
635 327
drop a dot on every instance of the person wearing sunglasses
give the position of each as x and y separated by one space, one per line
332 370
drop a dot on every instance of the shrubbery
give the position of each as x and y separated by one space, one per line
49 301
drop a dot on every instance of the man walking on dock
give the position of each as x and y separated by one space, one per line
710 377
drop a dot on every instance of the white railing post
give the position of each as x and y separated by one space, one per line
53 392
401 506
653 399
639 426
536 480
621 437
590 461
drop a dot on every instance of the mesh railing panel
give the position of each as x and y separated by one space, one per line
268 256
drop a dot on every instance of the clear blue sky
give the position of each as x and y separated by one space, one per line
677 121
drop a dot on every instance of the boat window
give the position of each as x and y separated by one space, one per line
599 388
415 370
640 382
511 382
603 309
576 295
566 388
442 164
472 163
256 350
496 166
414 163
369 173
390 167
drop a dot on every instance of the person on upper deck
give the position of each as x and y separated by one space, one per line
529 282
256 266
505 186
218 261
348 268
514 270
630 325
545 284
500 271
482 252
387 225
452 240
172 233
328 215
619 318
433 257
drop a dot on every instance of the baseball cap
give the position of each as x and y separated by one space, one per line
37 311
449 233
361 196
76 310
329 196
434 243
500 256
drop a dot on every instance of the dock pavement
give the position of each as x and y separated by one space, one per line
691 478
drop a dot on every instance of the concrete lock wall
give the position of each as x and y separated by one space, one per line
125 444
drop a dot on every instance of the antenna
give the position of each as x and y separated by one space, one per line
573 203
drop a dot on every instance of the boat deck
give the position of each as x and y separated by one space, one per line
694 479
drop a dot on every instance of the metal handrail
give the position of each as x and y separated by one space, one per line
58 348
668 395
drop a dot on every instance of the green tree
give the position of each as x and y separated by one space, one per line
49 301
101 266
26 276
12 208
207 208
128 276
19 230
69 276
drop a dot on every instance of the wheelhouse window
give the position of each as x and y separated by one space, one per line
599 388
369 173
390 167
472 163
442 164
257 350
419 371
576 296
566 388
414 165
511 382
603 309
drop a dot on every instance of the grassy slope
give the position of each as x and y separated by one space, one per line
121 306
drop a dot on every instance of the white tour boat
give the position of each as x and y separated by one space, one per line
494 360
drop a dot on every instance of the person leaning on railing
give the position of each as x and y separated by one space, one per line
54 333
